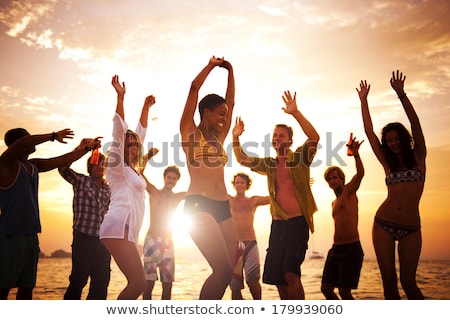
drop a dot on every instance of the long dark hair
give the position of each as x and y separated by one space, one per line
407 147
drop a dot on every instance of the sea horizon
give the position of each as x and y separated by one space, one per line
433 277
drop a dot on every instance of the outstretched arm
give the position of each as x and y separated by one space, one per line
12 154
397 83
292 109
262 201
363 92
84 147
187 124
238 151
15 152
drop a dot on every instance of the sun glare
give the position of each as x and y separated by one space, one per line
180 228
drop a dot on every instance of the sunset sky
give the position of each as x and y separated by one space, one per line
57 58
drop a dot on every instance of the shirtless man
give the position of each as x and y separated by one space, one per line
158 244
344 260
247 252
292 204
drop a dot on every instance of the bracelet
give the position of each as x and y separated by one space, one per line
86 148
356 156
402 96
54 136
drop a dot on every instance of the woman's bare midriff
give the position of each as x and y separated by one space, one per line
208 181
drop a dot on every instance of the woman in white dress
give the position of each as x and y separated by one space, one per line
120 229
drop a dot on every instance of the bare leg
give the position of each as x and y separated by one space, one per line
409 249
24 293
384 247
4 292
328 291
283 291
255 289
166 291
295 286
346 294
147 295
128 260
214 242
236 295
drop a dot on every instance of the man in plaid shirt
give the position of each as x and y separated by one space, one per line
89 257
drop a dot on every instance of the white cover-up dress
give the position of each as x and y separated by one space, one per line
127 206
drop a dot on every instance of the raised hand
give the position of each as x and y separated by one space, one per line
226 64
120 88
151 153
238 127
216 61
64 134
397 82
149 101
90 144
355 146
363 92
291 103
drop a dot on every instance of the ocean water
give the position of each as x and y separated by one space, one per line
433 277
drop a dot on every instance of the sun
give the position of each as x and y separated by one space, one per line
181 224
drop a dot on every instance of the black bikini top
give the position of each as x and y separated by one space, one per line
407 175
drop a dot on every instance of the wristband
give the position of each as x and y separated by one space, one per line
402 96
54 136
356 156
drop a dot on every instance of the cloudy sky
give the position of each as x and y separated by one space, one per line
57 59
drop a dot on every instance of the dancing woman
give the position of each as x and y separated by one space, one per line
397 219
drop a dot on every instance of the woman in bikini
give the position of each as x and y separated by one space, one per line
207 199
398 218
120 228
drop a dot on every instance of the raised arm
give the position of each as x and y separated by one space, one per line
148 103
229 97
363 92
120 89
354 184
397 83
238 151
151 189
292 109
187 124
146 158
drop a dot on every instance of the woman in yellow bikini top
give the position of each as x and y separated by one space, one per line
210 152
206 200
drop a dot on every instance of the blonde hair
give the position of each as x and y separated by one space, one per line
140 161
